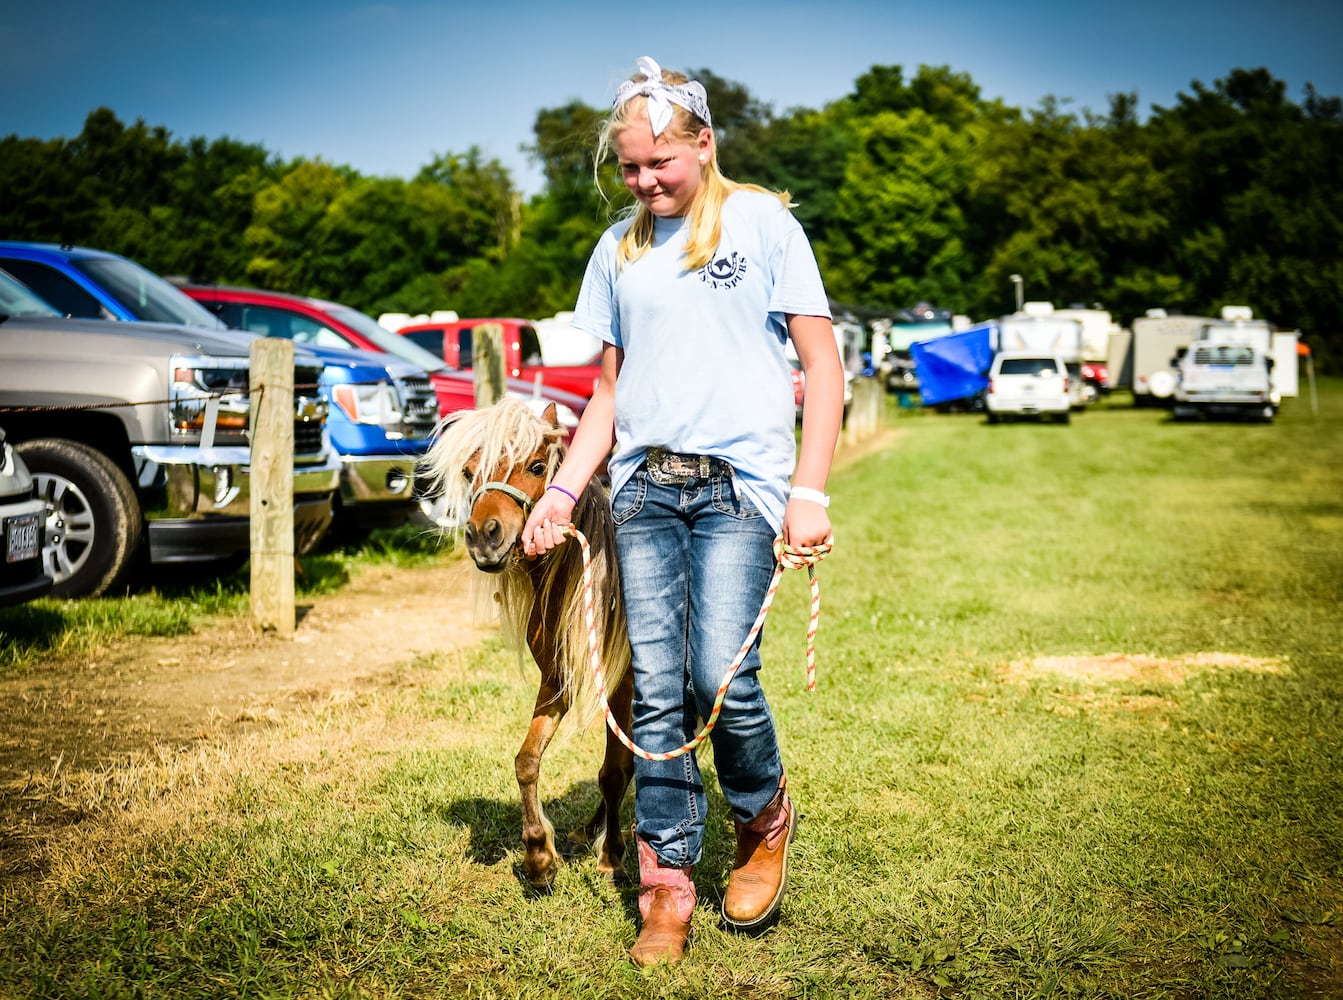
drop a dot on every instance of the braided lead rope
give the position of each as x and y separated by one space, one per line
788 558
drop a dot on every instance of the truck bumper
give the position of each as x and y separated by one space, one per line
174 540
1223 398
377 479
197 501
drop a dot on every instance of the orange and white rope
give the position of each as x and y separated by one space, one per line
787 558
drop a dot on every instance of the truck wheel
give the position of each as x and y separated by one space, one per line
94 526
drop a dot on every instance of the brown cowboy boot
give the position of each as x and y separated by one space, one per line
760 871
666 902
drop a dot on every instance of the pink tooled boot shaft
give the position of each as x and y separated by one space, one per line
654 875
666 902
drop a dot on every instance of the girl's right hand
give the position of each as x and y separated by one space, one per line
545 527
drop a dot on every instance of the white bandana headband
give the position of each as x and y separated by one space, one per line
661 96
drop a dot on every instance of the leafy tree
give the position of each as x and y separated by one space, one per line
1260 210
897 232
1070 205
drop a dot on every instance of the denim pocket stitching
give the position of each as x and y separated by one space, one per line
733 502
640 482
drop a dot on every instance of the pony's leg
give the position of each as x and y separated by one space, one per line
538 836
617 771
604 832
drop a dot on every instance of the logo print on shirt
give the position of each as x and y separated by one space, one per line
725 272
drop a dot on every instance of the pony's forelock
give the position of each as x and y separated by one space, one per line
508 432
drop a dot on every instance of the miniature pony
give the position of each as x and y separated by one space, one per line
493 464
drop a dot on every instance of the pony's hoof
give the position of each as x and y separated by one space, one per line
577 845
541 882
616 875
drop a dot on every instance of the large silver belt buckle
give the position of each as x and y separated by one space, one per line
669 469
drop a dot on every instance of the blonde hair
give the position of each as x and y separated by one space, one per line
705 210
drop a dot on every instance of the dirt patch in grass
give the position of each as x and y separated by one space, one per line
1108 682
1118 668
73 722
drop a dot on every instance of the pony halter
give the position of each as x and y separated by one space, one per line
512 492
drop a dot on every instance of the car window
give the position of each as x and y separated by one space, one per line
529 346
384 339
145 295
272 322
464 352
17 299
64 293
430 340
1027 366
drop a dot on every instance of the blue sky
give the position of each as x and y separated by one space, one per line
384 87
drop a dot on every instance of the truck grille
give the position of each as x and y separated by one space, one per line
309 411
421 407
1224 354
307 437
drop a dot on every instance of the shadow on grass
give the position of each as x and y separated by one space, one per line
496 827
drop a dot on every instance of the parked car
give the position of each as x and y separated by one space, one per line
1097 375
385 409
23 521
901 376
329 324
453 341
1081 393
1028 384
381 419
136 435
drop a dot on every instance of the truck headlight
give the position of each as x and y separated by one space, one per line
370 404
209 402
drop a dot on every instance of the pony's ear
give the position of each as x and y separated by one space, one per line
550 416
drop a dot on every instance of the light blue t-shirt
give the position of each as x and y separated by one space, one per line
704 368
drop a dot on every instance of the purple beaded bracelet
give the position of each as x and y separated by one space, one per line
553 486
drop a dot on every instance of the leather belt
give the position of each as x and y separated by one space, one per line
670 468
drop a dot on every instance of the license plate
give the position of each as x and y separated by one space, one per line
22 537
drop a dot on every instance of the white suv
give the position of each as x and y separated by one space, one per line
1028 384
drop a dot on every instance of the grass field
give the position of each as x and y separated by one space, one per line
1078 733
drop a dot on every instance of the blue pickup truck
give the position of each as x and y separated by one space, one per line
382 410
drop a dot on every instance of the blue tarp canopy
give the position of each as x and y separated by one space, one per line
955 366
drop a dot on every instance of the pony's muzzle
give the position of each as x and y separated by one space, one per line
488 546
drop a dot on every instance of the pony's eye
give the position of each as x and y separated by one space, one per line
537 468
468 475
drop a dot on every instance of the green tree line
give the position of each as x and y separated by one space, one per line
911 188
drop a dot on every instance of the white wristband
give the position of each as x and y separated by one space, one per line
807 493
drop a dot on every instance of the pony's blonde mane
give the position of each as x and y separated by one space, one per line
509 433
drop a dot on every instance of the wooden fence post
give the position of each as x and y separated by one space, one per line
272 485
487 361
865 410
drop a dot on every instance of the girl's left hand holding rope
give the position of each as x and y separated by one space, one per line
806 524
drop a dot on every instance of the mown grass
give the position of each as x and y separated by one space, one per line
1077 734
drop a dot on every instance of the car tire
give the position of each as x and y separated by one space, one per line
94 524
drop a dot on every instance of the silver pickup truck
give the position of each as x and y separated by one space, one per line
137 438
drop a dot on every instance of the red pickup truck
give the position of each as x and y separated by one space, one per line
453 342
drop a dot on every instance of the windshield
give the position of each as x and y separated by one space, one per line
17 300
386 340
147 296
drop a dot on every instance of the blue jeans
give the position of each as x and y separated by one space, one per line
696 562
